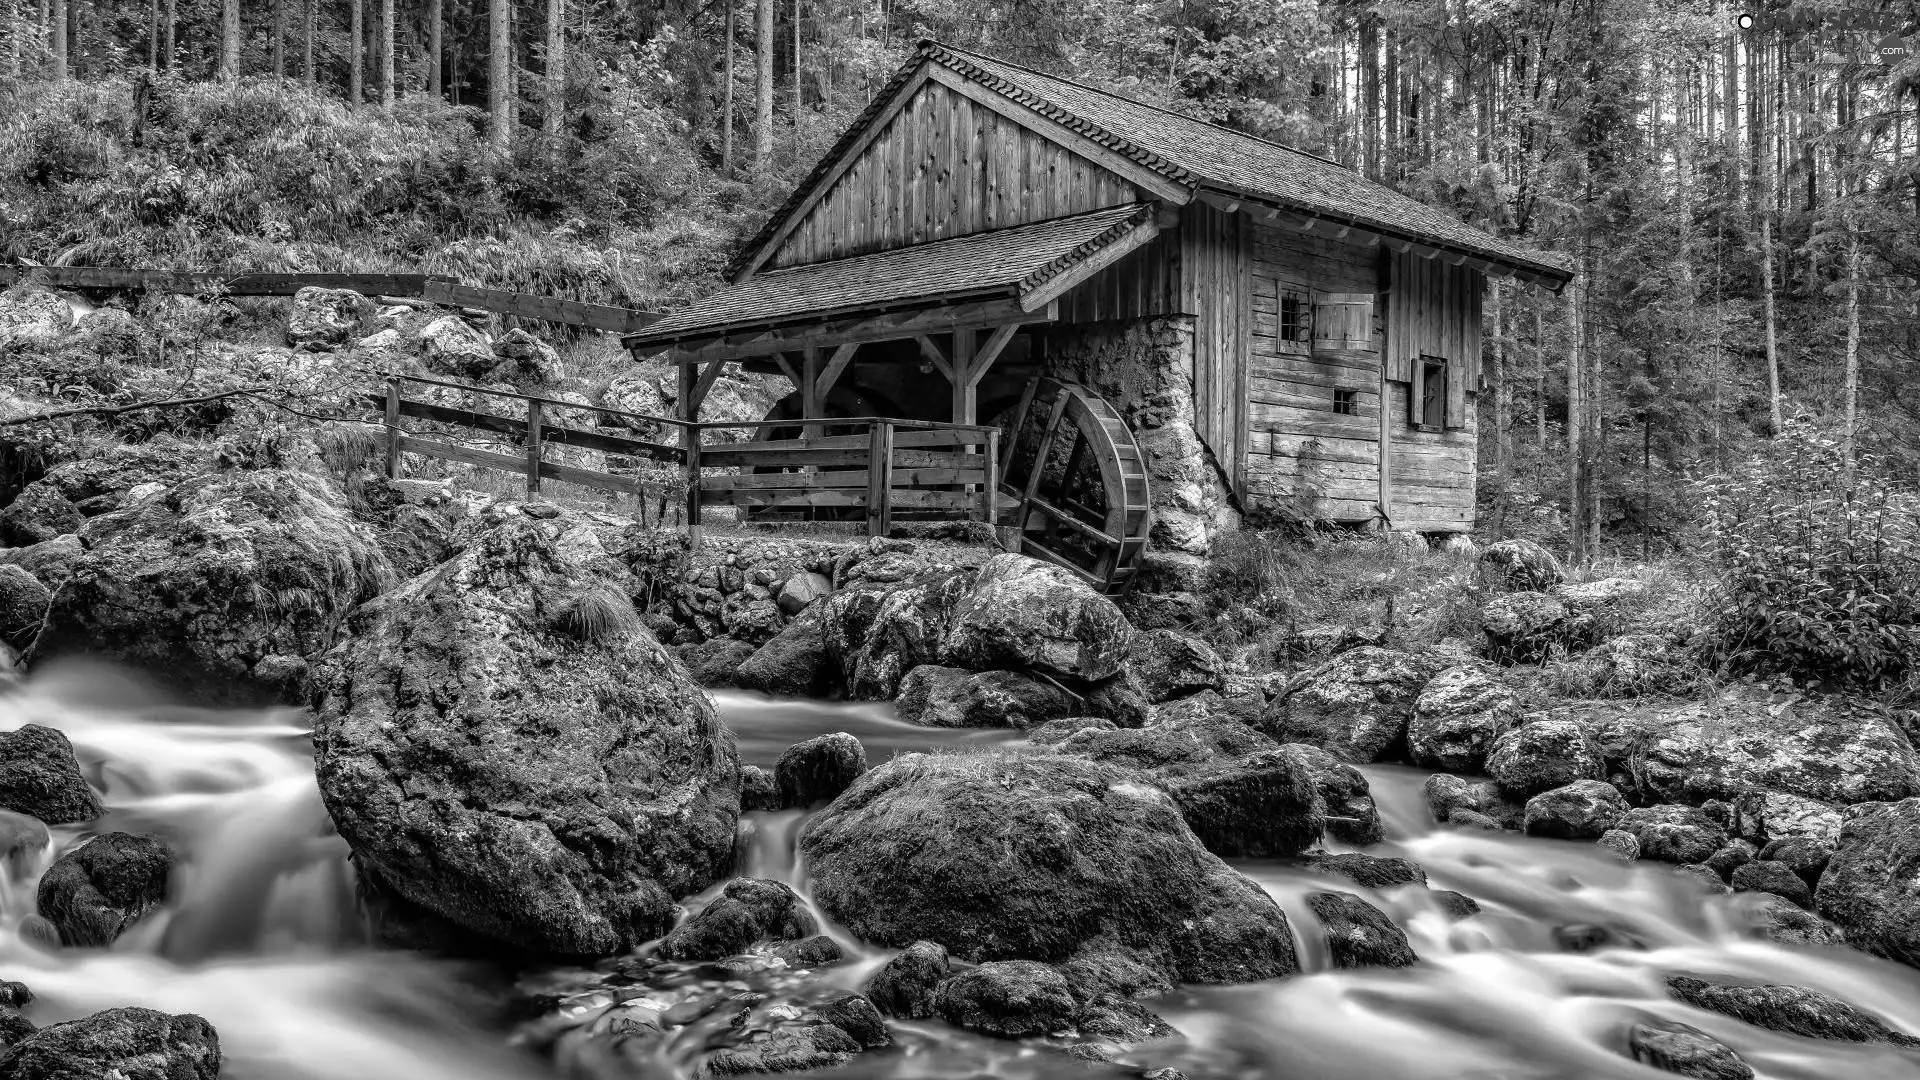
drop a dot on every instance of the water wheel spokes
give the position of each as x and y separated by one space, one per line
1074 484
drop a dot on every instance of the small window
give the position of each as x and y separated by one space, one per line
1345 402
1432 406
1296 315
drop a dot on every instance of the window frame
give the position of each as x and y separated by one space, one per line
1432 401
1346 401
1301 298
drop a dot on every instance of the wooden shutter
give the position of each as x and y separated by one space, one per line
1342 320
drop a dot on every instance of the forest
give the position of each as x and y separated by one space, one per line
1738 188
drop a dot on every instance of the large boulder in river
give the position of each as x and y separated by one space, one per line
1522 565
1356 705
905 985
1675 834
1345 796
92 893
224 585
503 744
125 1044
817 770
1002 856
1836 750
1582 810
1022 613
1871 887
1795 1010
1457 716
1011 999
950 697
876 634
40 778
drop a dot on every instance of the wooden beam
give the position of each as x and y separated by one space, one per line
934 356
1112 160
989 352
836 364
810 396
860 330
786 368
703 384
818 190
1056 286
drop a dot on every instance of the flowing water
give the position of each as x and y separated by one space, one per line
262 937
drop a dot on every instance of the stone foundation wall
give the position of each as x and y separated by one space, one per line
1144 367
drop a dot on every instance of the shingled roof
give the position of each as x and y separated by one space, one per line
1198 155
1002 262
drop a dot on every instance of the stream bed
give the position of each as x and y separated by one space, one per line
262 935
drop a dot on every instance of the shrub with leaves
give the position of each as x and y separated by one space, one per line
1819 575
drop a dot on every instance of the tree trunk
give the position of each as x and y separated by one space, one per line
15 27
1540 377
385 58
153 35
1579 453
59 20
229 40
556 71
307 19
436 80
1774 418
796 77
168 21
763 83
726 111
356 43
499 74
1850 433
1370 94
279 39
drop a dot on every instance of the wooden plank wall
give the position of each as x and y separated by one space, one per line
1216 264
1298 449
947 167
1434 309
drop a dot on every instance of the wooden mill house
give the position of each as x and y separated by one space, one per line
1274 329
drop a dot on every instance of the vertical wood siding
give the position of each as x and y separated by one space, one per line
1216 270
942 167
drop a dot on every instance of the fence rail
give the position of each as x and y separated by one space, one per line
890 467
434 288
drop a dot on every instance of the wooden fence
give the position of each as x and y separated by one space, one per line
884 468
437 289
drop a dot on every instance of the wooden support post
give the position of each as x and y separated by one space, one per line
393 429
1019 421
533 447
966 398
988 490
690 445
880 479
1386 449
810 404
703 384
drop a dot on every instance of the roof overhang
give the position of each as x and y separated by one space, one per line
1356 230
906 319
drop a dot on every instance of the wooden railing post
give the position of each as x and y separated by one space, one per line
393 429
988 489
880 479
533 446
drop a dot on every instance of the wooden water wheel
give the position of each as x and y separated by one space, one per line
1073 484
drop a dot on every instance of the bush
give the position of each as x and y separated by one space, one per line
1816 581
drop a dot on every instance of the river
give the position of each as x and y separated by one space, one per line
261 934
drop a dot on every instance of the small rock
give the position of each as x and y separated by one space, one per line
1167 665
532 359
816 951
452 347
1620 844
1356 705
1803 855
1688 1051
23 606
757 789
1736 854
1781 921
1582 810
1447 793
904 986
1369 871
949 697
1675 834
1351 816
857 1017
802 1049
1543 755
1458 716
1054 732
818 769
1454 905
323 318
40 778
1795 1010
15 995
93 892
1705 876
1013 999
801 590
125 1044
1778 878
793 663
1115 1019
1462 818
1359 934
715 663
748 910
1525 627
1523 565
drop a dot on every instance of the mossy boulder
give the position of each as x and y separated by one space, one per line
125 1044
1356 706
504 745
1871 887
1037 856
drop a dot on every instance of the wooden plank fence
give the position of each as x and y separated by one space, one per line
433 288
888 468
